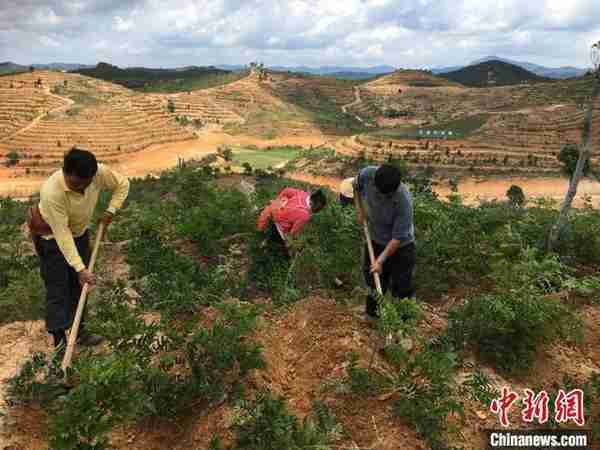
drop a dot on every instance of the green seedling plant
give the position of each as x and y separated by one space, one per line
429 394
397 322
266 424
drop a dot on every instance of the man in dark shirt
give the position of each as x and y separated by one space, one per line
390 217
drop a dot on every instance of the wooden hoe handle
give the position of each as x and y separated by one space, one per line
66 363
359 206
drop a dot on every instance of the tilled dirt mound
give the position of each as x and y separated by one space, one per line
306 349
18 341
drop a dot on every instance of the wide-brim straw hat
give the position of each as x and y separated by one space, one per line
346 188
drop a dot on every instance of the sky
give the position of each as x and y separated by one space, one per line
352 33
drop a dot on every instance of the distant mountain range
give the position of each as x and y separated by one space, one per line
548 72
493 73
9 67
138 77
336 71
324 70
61 66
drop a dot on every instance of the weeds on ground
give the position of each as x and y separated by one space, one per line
510 325
266 424
151 370
20 284
33 383
429 399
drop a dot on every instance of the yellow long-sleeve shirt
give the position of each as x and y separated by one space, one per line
69 213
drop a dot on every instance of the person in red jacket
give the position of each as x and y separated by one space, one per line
285 216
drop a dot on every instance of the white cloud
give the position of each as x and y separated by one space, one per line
46 16
295 32
122 24
101 45
48 41
375 51
74 7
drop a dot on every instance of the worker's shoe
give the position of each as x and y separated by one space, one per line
89 340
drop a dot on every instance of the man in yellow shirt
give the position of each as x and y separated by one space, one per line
60 230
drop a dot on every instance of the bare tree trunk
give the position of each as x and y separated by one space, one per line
585 151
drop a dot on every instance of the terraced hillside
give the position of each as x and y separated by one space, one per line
105 118
225 104
501 129
19 107
526 141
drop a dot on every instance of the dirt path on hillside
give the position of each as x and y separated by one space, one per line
357 101
35 121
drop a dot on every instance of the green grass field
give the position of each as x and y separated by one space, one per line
261 159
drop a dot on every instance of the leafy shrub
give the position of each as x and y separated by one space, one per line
360 379
509 328
330 248
532 271
20 284
398 315
109 392
32 384
427 404
12 158
266 424
123 326
477 386
151 370
225 152
171 106
170 282
213 215
442 231
568 156
215 352
581 240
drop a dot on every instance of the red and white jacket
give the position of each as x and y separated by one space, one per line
290 211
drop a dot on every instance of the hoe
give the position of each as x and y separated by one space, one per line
66 363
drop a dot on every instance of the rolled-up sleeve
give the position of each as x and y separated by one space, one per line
403 220
54 213
115 182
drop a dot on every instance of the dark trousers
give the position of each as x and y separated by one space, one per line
62 283
276 242
396 275
345 201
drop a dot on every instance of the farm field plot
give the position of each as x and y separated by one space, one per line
261 159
